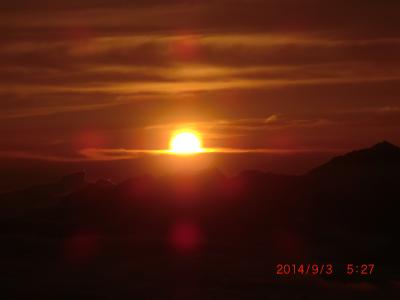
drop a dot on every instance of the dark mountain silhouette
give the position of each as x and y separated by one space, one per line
206 225
379 159
360 184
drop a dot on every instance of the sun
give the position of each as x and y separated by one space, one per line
186 142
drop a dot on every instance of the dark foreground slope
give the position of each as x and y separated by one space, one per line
207 236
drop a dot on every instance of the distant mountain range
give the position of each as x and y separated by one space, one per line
356 176
343 211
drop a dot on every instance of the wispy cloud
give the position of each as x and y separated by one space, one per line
18 154
263 71
122 154
271 122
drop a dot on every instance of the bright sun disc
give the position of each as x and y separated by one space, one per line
186 143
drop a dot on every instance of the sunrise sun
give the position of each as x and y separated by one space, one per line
186 142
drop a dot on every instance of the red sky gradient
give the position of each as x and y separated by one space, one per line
303 79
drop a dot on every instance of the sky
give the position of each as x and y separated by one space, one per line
298 80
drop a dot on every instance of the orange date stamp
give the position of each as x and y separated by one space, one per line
315 269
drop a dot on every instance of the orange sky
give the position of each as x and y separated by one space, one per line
298 76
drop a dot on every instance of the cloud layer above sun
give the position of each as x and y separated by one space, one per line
273 75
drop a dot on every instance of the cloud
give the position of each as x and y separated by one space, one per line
270 123
357 18
165 63
110 49
37 156
110 154
258 71
44 110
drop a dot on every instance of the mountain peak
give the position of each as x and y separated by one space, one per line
385 146
380 156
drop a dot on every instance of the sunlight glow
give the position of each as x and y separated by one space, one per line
186 142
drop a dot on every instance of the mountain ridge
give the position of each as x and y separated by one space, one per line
351 215
384 153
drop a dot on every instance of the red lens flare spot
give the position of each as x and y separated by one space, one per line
185 237
185 48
